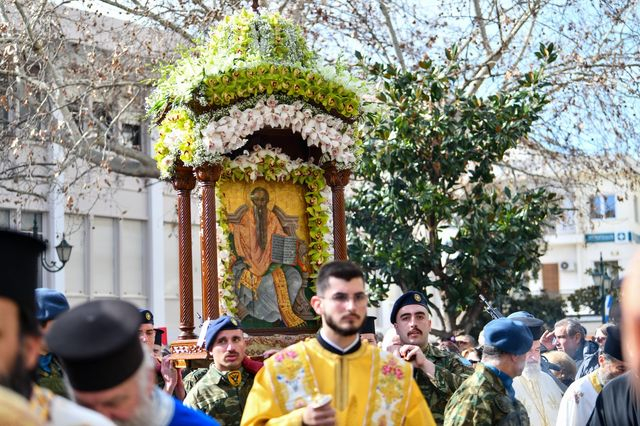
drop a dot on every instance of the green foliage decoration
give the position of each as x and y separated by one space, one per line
427 211
248 54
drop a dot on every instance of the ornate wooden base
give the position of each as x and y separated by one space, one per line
185 353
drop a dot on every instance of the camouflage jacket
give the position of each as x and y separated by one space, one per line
193 377
451 371
49 375
217 397
482 400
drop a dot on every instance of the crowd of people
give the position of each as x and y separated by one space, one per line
102 363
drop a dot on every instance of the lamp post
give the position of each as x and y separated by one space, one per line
602 279
63 250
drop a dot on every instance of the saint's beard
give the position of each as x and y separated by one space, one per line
260 214
342 331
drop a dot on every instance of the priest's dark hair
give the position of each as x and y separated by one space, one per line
342 269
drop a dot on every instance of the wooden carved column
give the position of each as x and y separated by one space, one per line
184 182
337 180
207 176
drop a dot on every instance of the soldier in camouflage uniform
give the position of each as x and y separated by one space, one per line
49 374
487 397
438 373
222 392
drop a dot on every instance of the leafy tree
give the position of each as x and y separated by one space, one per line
548 308
427 210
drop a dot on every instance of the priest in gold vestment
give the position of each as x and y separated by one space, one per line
335 378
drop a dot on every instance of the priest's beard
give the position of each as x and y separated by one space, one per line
19 379
532 371
145 414
342 331
260 214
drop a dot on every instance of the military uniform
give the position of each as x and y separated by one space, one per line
221 395
450 373
49 375
483 400
193 377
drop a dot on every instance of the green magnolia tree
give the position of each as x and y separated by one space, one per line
427 209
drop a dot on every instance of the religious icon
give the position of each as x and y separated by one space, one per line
269 264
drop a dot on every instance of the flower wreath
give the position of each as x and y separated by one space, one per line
197 141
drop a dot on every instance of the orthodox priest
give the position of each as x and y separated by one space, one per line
537 391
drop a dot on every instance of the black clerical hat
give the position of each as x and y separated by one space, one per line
534 324
369 325
98 344
19 262
158 338
613 344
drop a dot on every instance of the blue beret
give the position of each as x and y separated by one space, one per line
146 316
225 322
534 324
49 304
508 335
409 298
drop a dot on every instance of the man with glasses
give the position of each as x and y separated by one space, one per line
334 379
438 373
168 378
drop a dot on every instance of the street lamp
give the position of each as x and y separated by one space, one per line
602 280
63 250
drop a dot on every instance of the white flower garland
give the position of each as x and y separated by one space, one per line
332 135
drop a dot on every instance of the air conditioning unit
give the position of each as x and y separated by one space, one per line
567 266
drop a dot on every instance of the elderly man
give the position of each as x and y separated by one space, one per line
438 373
537 390
222 392
50 303
20 337
334 379
569 336
114 374
487 397
580 398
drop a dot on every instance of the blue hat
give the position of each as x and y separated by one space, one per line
510 336
225 322
409 298
534 324
49 304
146 316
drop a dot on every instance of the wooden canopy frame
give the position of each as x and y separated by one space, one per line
206 177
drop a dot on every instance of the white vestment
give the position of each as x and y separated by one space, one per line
540 395
579 401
